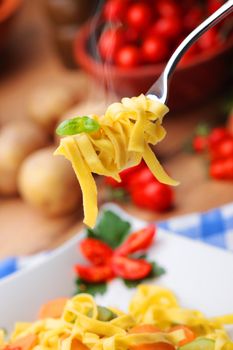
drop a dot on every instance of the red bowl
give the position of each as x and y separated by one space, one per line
192 84
8 9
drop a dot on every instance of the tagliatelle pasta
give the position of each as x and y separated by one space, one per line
79 324
126 131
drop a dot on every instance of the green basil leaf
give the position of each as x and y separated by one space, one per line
77 125
90 288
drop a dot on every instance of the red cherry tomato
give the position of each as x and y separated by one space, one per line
109 181
230 123
96 251
94 274
188 333
167 8
223 149
200 143
222 169
139 15
114 10
132 35
217 135
128 57
130 269
193 18
154 50
189 55
210 40
228 167
154 196
140 178
213 5
125 176
167 27
139 240
110 41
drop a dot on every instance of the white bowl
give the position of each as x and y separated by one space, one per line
199 274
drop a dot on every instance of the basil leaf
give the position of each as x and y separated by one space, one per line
77 125
110 229
90 288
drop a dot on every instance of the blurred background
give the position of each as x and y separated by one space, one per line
63 58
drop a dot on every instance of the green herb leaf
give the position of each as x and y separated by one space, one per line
156 271
110 229
90 288
131 283
117 194
77 125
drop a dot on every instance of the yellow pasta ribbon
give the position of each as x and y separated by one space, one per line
126 130
150 304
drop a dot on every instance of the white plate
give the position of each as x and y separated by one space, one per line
200 275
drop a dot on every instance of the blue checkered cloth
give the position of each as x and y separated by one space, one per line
214 227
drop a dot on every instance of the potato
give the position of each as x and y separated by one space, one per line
17 140
47 104
49 183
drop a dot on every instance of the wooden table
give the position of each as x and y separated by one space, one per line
23 230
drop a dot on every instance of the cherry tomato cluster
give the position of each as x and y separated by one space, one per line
144 190
219 146
107 263
147 31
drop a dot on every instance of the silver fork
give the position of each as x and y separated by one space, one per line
159 90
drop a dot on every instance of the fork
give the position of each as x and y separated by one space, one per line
159 90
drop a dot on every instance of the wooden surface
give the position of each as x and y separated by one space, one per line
23 230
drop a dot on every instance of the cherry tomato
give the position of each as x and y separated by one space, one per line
228 167
109 181
154 196
139 240
230 123
167 27
154 50
128 57
110 41
94 274
139 15
217 135
114 10
130 269
213 5
200 143
222 169
167 8
190 54
148 328
140 178
223 149
189 334
125 176
209 40
96 251
132 35
193 18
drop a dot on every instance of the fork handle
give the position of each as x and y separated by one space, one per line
160 87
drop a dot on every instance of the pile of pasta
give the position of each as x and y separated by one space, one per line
126 131
79 328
